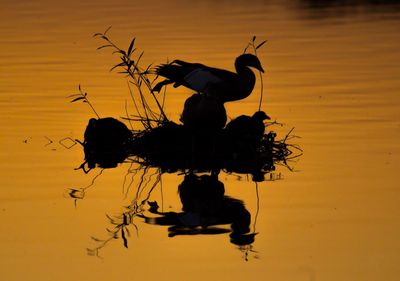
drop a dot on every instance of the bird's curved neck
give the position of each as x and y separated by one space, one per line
247 78
243 70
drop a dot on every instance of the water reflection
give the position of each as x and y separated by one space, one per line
204 208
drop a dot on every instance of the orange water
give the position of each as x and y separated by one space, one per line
332 73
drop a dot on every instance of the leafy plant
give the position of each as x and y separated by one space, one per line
138 77
83 96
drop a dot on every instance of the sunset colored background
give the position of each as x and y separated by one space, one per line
332 73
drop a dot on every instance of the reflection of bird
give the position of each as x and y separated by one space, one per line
219 83
202 112
248 127
204 209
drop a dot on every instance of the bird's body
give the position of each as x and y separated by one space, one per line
221 84
106 132
203 113
248 127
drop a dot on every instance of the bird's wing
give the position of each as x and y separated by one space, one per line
200 78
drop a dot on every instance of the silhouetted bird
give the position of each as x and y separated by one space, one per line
106 132
106 143
222 84
202 112
251 128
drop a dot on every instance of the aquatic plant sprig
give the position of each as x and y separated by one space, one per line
83 96
252 44
139 78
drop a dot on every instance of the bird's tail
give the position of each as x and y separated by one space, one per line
169 71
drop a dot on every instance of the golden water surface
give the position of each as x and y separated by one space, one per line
332 73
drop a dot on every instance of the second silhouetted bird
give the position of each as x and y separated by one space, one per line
221 84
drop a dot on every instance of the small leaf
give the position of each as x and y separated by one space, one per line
95 239
254 38
122 52
78 98
262 43
118 65
73 95
148 67
105 46
131 46
140 56
91 252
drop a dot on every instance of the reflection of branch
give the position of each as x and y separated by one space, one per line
122 221
257 208
64 143
79 193
246 250
131 172
49 141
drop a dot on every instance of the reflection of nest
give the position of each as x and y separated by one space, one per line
173 147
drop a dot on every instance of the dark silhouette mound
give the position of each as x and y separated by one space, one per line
241 147
203 113
106 143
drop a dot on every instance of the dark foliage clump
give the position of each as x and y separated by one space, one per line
173 147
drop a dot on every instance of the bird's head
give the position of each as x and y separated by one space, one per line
92 122
249 60
260 115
